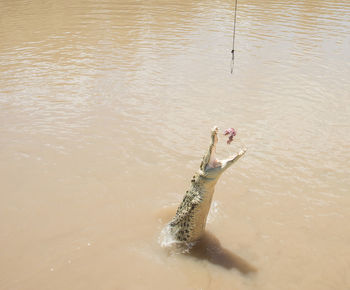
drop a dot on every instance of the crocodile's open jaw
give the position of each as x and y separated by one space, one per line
213 162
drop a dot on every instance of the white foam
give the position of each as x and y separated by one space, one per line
166 239
213 211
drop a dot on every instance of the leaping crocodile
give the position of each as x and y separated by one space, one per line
191 216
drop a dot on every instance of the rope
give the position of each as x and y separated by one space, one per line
233 38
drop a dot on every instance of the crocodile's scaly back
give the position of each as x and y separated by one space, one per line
189 222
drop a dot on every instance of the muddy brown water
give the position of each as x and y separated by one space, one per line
105 112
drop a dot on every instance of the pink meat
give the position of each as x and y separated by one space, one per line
230 132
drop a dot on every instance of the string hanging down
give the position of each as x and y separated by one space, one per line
233 38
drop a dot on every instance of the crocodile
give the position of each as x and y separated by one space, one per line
188 225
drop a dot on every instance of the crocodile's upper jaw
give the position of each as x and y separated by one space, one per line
213 162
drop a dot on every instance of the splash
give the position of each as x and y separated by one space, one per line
213 212
167 240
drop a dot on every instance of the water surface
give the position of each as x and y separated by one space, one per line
105 112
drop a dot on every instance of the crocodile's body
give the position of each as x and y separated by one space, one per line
189 222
